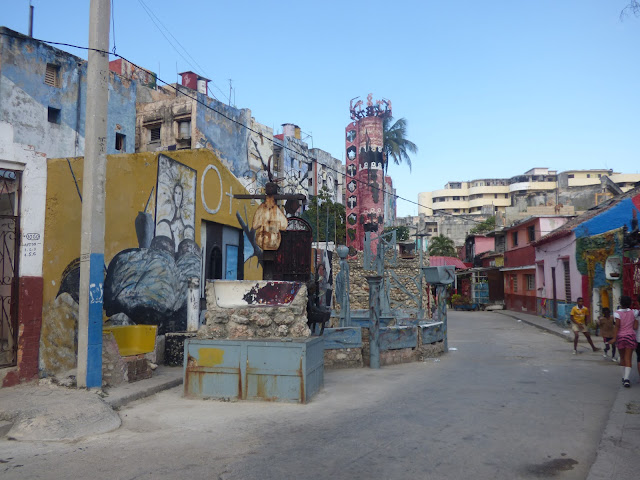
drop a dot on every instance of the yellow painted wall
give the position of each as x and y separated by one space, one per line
130 180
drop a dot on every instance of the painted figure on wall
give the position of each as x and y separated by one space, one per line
175 203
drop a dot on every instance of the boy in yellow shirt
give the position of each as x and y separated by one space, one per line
578 317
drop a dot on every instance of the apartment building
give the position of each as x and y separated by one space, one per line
566 193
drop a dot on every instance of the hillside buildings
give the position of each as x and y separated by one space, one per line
572 191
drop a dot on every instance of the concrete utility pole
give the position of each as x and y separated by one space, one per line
89 372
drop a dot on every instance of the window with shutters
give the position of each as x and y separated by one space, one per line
531 282
52 75
154 133
567 281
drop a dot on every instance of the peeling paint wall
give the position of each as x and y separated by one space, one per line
28 260
132 185
26 98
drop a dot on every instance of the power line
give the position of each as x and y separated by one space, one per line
154 18
281 145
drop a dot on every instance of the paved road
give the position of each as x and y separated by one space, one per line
507 402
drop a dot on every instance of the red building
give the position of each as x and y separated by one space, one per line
519 260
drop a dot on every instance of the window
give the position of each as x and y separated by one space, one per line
120 142
588 175
456 198
506 195
531 282
514 238
53 115
52 75
495 195
514 282
570 175
567 280
599 175
532 233
154 133
184 129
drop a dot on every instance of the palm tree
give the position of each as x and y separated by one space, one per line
396 145
442 246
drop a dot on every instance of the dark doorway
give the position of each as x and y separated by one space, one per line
553 287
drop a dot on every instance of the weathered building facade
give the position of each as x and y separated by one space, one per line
519 261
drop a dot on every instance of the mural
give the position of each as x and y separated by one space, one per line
175 201
156 208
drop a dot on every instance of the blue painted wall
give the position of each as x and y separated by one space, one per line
228 139
26 98
616 217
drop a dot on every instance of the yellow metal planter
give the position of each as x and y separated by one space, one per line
134 339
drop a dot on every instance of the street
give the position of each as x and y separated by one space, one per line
507 402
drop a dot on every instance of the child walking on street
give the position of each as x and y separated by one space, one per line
625 336
578 317
606 324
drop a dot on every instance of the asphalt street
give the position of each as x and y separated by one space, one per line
508 401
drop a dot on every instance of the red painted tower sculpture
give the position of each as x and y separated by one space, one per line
365 172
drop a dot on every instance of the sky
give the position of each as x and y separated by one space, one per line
489 89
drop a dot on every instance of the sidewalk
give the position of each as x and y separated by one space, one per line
618 454
41 411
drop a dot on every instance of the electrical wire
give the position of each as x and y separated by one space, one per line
113 26
197 66
222 114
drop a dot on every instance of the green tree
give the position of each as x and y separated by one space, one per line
396 145
402 232
442 246
316 215
487 226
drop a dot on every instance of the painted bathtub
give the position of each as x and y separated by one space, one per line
252 293
134 339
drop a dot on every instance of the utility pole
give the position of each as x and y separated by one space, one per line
89 372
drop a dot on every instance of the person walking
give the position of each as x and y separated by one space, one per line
625 336
607 324
578 317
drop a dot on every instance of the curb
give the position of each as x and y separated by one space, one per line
121 400
568 338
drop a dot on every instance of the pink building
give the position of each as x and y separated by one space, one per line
519 260
558 281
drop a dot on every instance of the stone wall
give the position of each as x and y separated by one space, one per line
256 321
405 269
343 358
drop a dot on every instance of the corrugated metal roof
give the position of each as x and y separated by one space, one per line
442 261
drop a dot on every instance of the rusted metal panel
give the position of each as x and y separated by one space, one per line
293 258
395 338
431 332
344 337
271 370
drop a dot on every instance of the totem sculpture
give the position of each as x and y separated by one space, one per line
365 172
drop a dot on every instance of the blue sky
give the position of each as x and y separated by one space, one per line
489 89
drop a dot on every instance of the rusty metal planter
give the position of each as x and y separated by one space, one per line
270 369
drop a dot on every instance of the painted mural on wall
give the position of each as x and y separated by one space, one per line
175 201
152 242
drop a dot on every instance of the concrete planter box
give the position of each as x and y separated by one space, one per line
273 370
